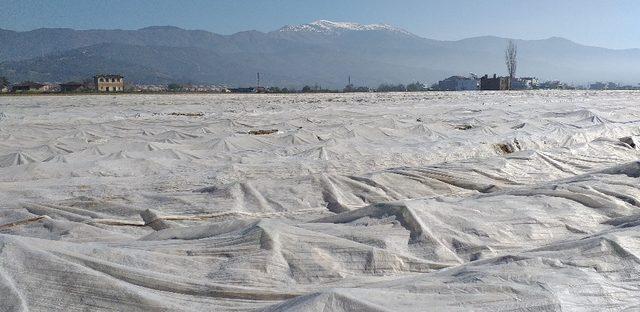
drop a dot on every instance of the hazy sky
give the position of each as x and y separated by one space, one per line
614 24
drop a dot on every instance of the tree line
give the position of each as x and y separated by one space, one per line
385 87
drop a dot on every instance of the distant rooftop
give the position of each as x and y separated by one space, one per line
108 76
29 84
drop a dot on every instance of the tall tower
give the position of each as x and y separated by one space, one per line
349 81
258 80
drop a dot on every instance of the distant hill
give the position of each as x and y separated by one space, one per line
321 52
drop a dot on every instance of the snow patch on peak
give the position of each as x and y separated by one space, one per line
329 27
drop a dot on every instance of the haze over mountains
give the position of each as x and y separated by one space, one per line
322 52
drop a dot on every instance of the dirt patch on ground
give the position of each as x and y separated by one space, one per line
263 132
508 147
629 141
464 127
187 114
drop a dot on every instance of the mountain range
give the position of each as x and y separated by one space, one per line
322 52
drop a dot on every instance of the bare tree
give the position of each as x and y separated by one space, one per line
511 59
3 82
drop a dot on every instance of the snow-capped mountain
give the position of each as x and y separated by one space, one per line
321 52
329 27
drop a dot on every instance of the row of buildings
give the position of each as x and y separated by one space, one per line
115 83
461 83
100 83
